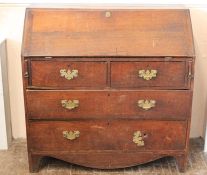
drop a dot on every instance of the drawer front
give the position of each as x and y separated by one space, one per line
170 105
68 74
67 104
102 135
160 104
165 74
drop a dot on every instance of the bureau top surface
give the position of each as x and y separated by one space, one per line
101 32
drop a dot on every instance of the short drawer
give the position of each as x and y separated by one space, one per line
151 104
157 104
160 74
130 135
68 74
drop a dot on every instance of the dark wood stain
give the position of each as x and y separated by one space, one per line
108 104
108 52
108 135
90 74
169 74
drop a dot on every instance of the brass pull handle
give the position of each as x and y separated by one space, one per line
138 139
146 104
147 74
69 74
70 104
71 135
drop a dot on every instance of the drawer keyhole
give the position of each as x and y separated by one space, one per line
108 14
144 135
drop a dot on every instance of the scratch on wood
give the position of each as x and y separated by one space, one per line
153 43
97 127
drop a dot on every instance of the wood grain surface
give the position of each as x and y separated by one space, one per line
47 74
170 75
108 47
78 32
170 105
108 135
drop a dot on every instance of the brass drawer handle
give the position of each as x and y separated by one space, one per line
138 139
71 135
146 104
69 74
147 74
70 104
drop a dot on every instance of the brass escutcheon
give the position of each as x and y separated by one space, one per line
137 138
71 135
146 104
147 74
69 74
70 104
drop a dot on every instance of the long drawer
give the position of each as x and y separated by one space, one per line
167 105
157 74
68 74
130 135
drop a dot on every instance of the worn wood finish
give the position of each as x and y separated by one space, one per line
107 47
63 32
103 135
170 75
170 105
106 159
47 104
47 74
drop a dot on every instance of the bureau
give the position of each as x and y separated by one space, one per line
107 88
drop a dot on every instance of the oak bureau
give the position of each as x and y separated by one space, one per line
107 88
